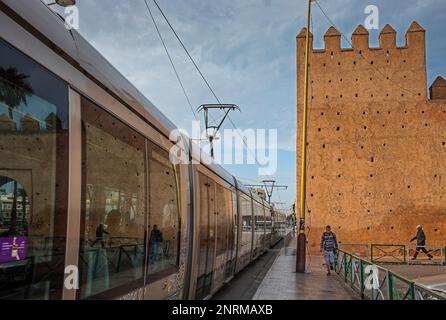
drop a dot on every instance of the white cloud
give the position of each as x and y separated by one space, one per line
246 49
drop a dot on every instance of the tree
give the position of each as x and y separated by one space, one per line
14 88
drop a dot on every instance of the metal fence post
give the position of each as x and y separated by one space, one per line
345 267
412 291
406 253
336 261
444 255
119 258
389 285
361 277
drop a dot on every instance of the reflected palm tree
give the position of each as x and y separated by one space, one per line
14 88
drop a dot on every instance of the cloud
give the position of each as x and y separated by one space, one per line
246 49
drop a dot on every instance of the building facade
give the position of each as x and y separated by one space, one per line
376 139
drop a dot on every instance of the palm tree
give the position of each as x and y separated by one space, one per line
14 88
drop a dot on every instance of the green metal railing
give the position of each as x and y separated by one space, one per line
399 254
388 253
373 282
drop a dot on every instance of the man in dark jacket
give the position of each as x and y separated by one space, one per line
156 237
328 246
100 231
421 243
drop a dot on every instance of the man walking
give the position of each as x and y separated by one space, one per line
100 231
421 243
156 238
328 246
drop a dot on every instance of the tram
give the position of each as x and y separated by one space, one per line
92 207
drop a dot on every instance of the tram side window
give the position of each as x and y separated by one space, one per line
268 220
258 224
258 217
235 220
164 212
33 185
246 213
246 209
114 205
223 206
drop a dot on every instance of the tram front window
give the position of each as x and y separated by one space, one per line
33 178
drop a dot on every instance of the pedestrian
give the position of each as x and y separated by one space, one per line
156 237
421 243
328 246
100 231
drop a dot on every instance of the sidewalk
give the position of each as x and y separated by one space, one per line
282 283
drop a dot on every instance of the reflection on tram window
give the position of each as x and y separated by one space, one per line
259 228
206 243
114 197
246 214
235 220
268 221
246 240
258 217
33 190
14 208
223 207
164 212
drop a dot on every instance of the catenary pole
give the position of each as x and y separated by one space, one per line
301 238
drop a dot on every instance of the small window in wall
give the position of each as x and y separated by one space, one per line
164 213
112 246
33 178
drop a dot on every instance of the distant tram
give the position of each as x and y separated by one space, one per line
87 185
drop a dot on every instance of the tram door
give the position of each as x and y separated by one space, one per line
207 237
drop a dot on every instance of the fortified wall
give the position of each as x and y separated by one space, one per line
376 139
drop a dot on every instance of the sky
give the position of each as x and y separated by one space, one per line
246 49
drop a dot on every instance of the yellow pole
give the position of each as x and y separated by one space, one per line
301 242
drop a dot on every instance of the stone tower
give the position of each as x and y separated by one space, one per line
376 143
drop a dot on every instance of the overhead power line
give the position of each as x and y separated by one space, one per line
226 114
269 186
170 59
187 51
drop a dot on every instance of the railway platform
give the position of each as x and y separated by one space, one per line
282 283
